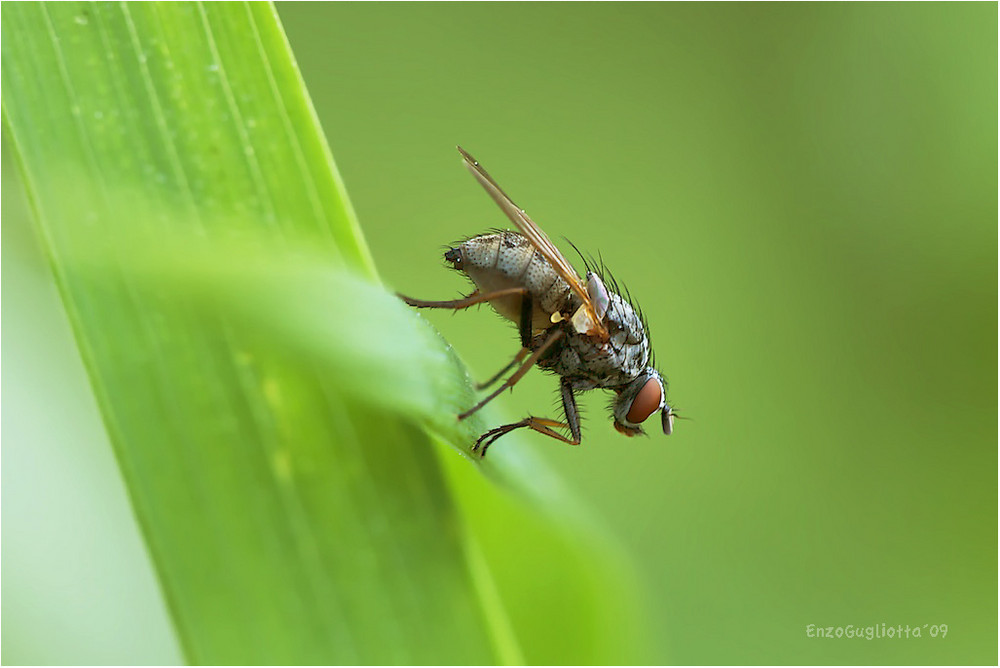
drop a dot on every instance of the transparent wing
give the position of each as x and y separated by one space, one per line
589 323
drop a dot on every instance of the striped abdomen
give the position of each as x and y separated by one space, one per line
507 259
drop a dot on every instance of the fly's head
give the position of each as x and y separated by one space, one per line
638 400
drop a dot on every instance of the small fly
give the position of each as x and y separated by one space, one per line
579 329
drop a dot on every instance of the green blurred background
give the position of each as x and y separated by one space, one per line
803 200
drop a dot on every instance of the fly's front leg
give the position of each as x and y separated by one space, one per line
541 425
570 410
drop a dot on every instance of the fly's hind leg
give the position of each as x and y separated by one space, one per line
476 297
541 425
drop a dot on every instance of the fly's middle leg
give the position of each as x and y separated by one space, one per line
499 374
554 336
524 329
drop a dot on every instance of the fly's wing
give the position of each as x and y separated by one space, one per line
585 321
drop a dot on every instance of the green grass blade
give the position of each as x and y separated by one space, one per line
285 427
289 522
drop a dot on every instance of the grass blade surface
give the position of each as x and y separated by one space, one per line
288 522
285 427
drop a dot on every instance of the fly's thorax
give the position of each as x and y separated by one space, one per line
628 344
506 259
610 364
625 326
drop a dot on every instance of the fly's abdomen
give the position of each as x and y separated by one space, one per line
502 260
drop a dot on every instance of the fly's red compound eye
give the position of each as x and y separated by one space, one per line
648 400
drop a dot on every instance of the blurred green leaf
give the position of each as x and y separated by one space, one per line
288 522
279 419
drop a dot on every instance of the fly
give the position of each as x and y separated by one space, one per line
589 335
